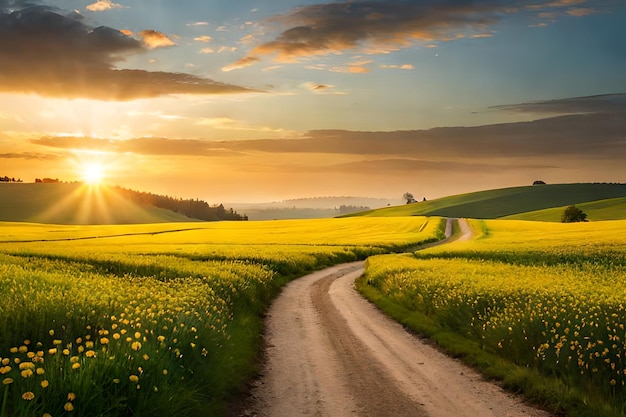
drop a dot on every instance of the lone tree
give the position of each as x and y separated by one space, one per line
408 197
573 214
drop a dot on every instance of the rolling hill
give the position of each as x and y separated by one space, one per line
609 209
63 203
492 204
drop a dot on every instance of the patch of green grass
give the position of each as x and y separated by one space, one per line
609 209
493 204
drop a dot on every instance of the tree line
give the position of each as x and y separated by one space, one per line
11 179
197 209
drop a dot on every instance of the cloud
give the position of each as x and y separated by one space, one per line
381 27
242 63
605 103
402 67
53 53
154 39
142 146
29 155
102 5
322 88
204 38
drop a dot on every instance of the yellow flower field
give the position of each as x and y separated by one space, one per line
542 295
155 319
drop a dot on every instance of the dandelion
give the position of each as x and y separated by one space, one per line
116 336
66 352
76 365
135 346
104 340
164 371
90 354
26 373
133 378
40 371
6 361
71 396
137 335
52 351
7 381
57 342
44 383
28 395
13 350
23 349
46 415
68 407
51 332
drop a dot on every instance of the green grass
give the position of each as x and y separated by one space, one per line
493 204
609 209
61 203
162 319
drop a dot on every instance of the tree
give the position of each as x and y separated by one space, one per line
573 214
539 182
408 197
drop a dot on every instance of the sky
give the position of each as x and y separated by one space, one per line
253 101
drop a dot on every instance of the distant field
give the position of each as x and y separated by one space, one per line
610 209
156 320
494 204
547 297
75 204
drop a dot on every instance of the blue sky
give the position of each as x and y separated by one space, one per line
203 98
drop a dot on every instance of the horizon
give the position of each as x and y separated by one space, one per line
258 102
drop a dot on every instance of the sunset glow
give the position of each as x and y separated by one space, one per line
254 101
93 173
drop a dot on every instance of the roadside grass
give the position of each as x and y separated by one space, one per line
538 306
161 319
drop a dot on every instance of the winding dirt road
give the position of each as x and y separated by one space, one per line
332 353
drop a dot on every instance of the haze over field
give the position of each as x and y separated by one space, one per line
261 101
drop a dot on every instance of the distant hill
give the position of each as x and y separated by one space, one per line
310 208
74 203
492 204
610 209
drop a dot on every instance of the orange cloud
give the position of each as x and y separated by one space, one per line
154 39
102 5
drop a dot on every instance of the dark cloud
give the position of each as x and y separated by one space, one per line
46 51
383 26
606 103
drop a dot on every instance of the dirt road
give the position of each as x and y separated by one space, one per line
331 353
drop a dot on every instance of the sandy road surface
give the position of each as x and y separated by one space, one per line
332 353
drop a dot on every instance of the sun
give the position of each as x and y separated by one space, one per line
93 173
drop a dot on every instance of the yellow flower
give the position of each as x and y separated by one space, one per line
161 338
81 349
30 355
135 346
51 332
116 336
76 365
71 396
28 395
23 349
68 407
104 341
7 381
66 352
133 378
116 381
6 361
26 373
44 383
164 371
146 357
27 365
5 370
137 335
89 344
52 351
57 342
90 353
27 342
79 340
74 359
40 371
46 415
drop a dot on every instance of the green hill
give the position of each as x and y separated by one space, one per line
492 204
61 203
609 209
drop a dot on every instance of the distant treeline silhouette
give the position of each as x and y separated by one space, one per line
7 179
197 209
343 209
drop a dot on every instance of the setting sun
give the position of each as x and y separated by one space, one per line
93 173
